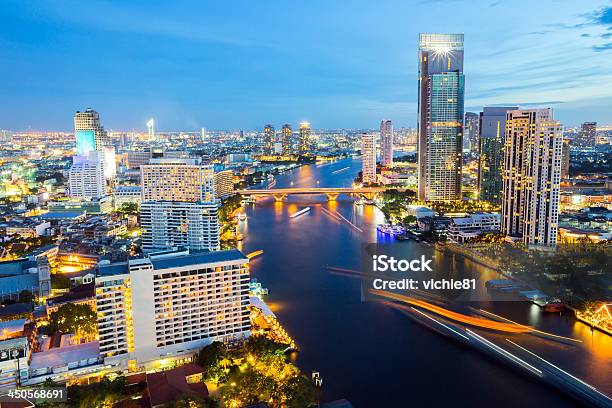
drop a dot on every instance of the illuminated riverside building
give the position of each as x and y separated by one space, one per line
368 154
89 134
286 135
440 118
532 176
86 179
304 133
166 307
167 179
386 143
268 140
492 129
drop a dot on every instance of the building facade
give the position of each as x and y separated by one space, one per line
167 225
177 180
386 143
588 135
286 136
268 140
471 132
224 184
532 176
304 133
462 229
565 159
492 129
86 177
440 118
368 155
89 134
167 307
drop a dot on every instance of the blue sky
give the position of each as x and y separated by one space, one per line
241 64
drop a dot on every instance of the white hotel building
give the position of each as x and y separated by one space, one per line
461 229
165 307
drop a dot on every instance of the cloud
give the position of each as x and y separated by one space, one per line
602 47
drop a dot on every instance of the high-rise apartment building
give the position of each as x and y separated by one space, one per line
440 118
386 143
588 135
368 156
286 136
168 225
224 183
565 159
268 139
471 132
304 138
492 129
167 307
89 134
151 129
532 176
168 179
86 179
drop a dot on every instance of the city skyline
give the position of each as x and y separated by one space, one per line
334 89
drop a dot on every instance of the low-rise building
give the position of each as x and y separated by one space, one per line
472 225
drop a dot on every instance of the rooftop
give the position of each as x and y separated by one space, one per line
62 356
199 258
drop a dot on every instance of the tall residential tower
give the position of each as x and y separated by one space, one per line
304 138
368 154
89 134
532 176
386 143
440 118
268 139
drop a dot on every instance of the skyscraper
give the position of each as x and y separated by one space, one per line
151 129
368 157
440 119
386 143
492 129
86 177
588 135
532 176
268 139
304 138
89 134
286 135
470 133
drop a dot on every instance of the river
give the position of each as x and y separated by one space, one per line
369 353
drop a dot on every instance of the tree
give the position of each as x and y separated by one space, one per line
25 296
129 208
74 318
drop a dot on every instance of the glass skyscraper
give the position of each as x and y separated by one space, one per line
492 130
440 119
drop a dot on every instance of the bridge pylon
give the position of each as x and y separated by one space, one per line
332 196
279 197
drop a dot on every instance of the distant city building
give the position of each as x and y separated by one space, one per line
268 139
440 118
492 129
532 176
588 135
168 307
151 129
386 143
126 195
224 183
137 158
304 133
169 225
86 179
286 136
471 132
89 134
177 180
368 155
565 159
